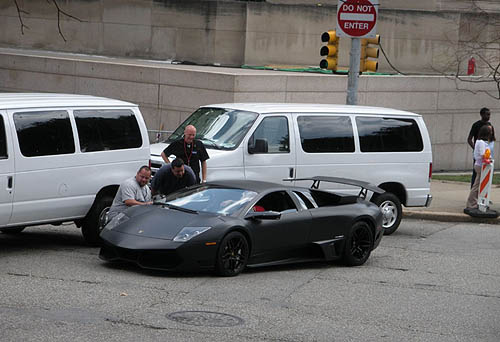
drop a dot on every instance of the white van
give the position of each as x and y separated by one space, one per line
62 158
272 142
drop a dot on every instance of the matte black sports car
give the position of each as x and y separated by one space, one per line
228 225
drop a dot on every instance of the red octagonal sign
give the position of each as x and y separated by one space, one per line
357 18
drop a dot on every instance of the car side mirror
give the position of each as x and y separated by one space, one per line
259 146
263 215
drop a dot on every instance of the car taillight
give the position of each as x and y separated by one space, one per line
430 171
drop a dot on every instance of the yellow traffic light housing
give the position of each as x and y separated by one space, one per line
330 50
369 52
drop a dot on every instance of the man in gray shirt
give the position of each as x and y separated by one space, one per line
133 191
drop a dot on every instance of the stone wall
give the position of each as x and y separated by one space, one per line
167 94
417 36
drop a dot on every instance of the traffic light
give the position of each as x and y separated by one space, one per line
366 52
330 50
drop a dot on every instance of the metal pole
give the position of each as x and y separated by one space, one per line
352 79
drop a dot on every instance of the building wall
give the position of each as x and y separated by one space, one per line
167 93
417 36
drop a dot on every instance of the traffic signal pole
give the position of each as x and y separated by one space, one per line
352 79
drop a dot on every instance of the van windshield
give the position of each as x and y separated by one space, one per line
217 128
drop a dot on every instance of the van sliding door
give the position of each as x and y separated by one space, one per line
6 171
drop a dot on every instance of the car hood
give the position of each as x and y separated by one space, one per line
160 222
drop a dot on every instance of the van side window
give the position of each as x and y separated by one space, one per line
3 140
389 135
44 133
322 134
107 129
271 136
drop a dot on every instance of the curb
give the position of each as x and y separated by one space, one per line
446 217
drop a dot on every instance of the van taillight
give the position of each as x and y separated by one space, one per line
430 171
149 163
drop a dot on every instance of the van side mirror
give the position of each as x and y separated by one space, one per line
259 146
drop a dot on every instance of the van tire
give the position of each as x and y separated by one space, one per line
392 212
92 224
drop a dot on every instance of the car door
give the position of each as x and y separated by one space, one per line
270 150
283 238
6 171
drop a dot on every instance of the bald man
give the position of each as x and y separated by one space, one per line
192 152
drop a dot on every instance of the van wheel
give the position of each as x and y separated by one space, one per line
95 220
392 211
15 230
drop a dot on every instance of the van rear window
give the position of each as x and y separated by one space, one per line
44 133
383 134
323 134
107 129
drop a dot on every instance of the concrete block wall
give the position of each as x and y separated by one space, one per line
167 93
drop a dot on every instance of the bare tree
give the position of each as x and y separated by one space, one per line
21 13
479 38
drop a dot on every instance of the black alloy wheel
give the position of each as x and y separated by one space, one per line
358 245
232 256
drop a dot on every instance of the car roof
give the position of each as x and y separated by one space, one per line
36 100
267 108
253 185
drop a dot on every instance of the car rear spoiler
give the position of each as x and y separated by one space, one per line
363 185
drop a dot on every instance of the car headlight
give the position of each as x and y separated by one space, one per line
118 219
187 233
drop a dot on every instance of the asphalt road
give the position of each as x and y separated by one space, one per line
430 281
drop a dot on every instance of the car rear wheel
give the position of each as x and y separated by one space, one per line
15 230
392 211
95 220
232 256
358 245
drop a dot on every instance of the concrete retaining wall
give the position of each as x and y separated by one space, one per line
167 93
417 36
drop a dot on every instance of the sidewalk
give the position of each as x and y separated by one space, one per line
448 203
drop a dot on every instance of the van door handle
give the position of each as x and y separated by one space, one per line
9 182
290 174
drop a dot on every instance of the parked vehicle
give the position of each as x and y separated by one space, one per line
62 158
272 142
228 225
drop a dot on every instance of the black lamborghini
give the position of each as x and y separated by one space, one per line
229 225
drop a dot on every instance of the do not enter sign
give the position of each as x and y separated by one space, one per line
357 18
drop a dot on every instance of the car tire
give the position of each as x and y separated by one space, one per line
359 244
392 212
95 220
232 256
12 231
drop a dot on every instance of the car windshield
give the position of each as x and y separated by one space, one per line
224 201
217 128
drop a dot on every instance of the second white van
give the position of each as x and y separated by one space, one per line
274 142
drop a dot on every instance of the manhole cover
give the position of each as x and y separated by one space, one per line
205 318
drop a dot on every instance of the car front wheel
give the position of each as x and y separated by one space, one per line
358 245
95 220
392 211
232 256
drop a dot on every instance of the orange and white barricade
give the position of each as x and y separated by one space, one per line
485 186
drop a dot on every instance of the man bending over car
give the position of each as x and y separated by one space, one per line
133 191
172 177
